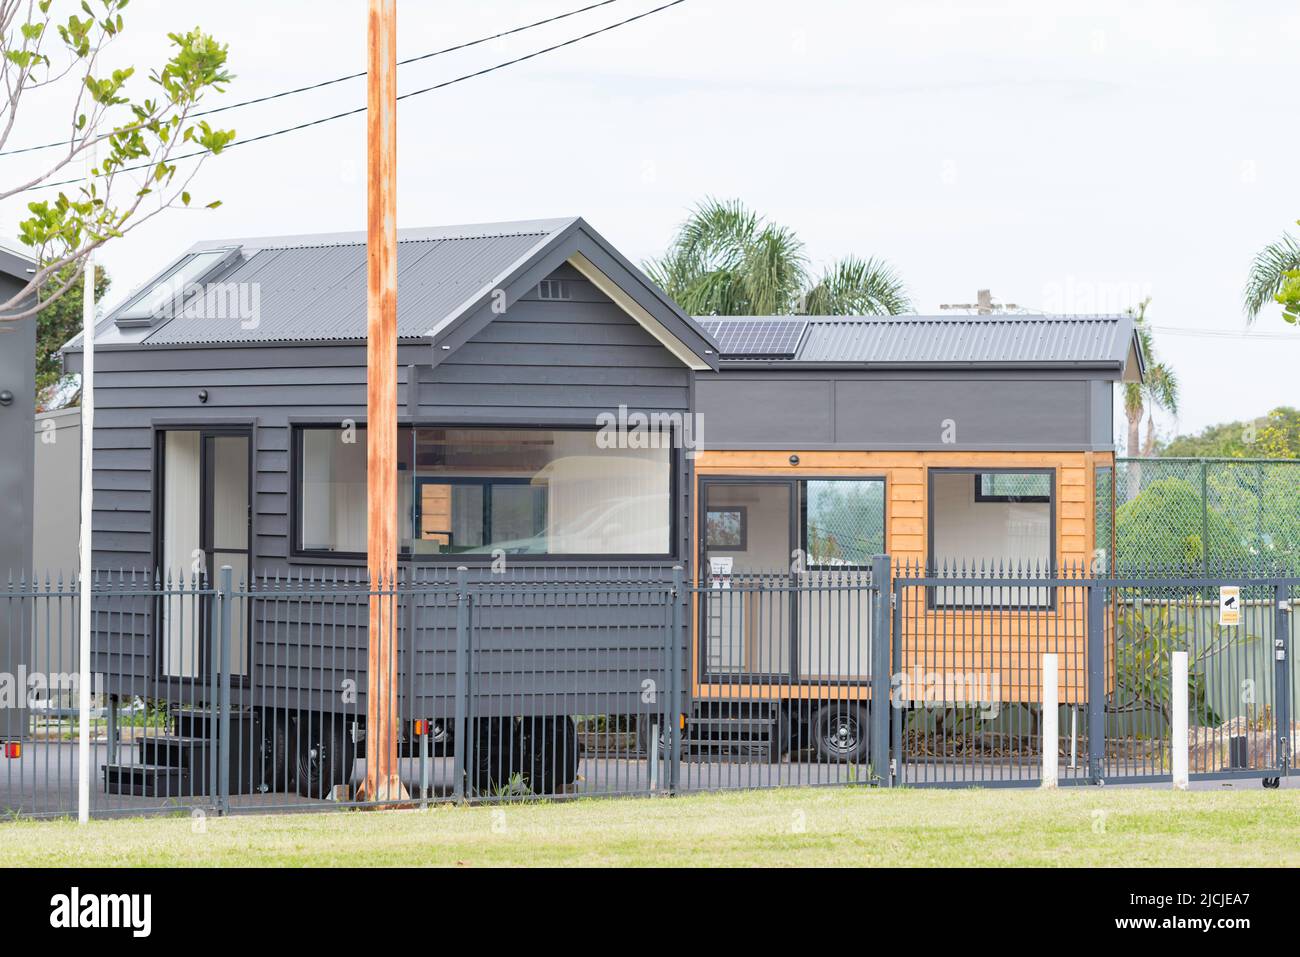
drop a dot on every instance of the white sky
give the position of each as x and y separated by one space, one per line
1072 157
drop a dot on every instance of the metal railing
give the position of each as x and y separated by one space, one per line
237 696
968 650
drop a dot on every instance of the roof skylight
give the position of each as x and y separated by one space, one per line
167 296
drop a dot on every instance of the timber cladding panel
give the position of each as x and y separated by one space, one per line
1003 644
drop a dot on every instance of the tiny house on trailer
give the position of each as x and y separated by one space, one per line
969 442
231 408
231 405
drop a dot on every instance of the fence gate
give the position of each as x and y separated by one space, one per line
967 684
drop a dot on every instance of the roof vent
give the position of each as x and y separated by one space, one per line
174 289
555 289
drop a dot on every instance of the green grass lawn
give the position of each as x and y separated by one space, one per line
854 826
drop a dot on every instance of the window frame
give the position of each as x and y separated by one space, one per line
300 555
1053 565
801 494
743 510
486 484
981 496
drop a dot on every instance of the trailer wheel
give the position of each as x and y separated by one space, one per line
440 740
496 754
840 732
550 750
279 762
324 753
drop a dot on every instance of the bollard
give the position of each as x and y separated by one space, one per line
1051 736
1178 730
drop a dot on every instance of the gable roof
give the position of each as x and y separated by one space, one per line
451 280
1027 342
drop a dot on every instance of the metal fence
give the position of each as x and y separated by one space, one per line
968 648
1203 514
226 697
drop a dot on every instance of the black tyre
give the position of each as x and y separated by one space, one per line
550 750
840 730
278 755
440 738
322 753
1272 783
497 756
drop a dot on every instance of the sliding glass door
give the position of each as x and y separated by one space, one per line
787 562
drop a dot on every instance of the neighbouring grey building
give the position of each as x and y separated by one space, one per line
17 406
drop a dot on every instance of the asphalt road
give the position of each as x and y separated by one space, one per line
43 782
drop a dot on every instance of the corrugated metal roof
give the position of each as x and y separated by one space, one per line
957 340
314 287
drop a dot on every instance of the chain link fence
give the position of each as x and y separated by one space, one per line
1203 515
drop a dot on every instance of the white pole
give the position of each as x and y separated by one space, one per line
87 496
1074 736
1051 733
1179 730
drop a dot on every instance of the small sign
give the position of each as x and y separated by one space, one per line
1229 605
720 571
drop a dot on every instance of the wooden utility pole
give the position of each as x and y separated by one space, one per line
383 782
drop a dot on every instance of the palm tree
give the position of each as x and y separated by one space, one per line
727 261
1158 388
1268 272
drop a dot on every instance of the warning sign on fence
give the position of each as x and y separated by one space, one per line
1229 605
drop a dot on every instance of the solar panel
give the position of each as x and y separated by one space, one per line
756 338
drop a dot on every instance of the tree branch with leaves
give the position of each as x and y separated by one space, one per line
137 141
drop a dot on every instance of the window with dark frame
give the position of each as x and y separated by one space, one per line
1002 519
1013 487
529 492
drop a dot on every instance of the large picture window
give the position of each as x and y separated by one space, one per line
468 492
999 519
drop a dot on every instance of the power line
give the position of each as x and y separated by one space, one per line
1226 333
354 76
361 109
